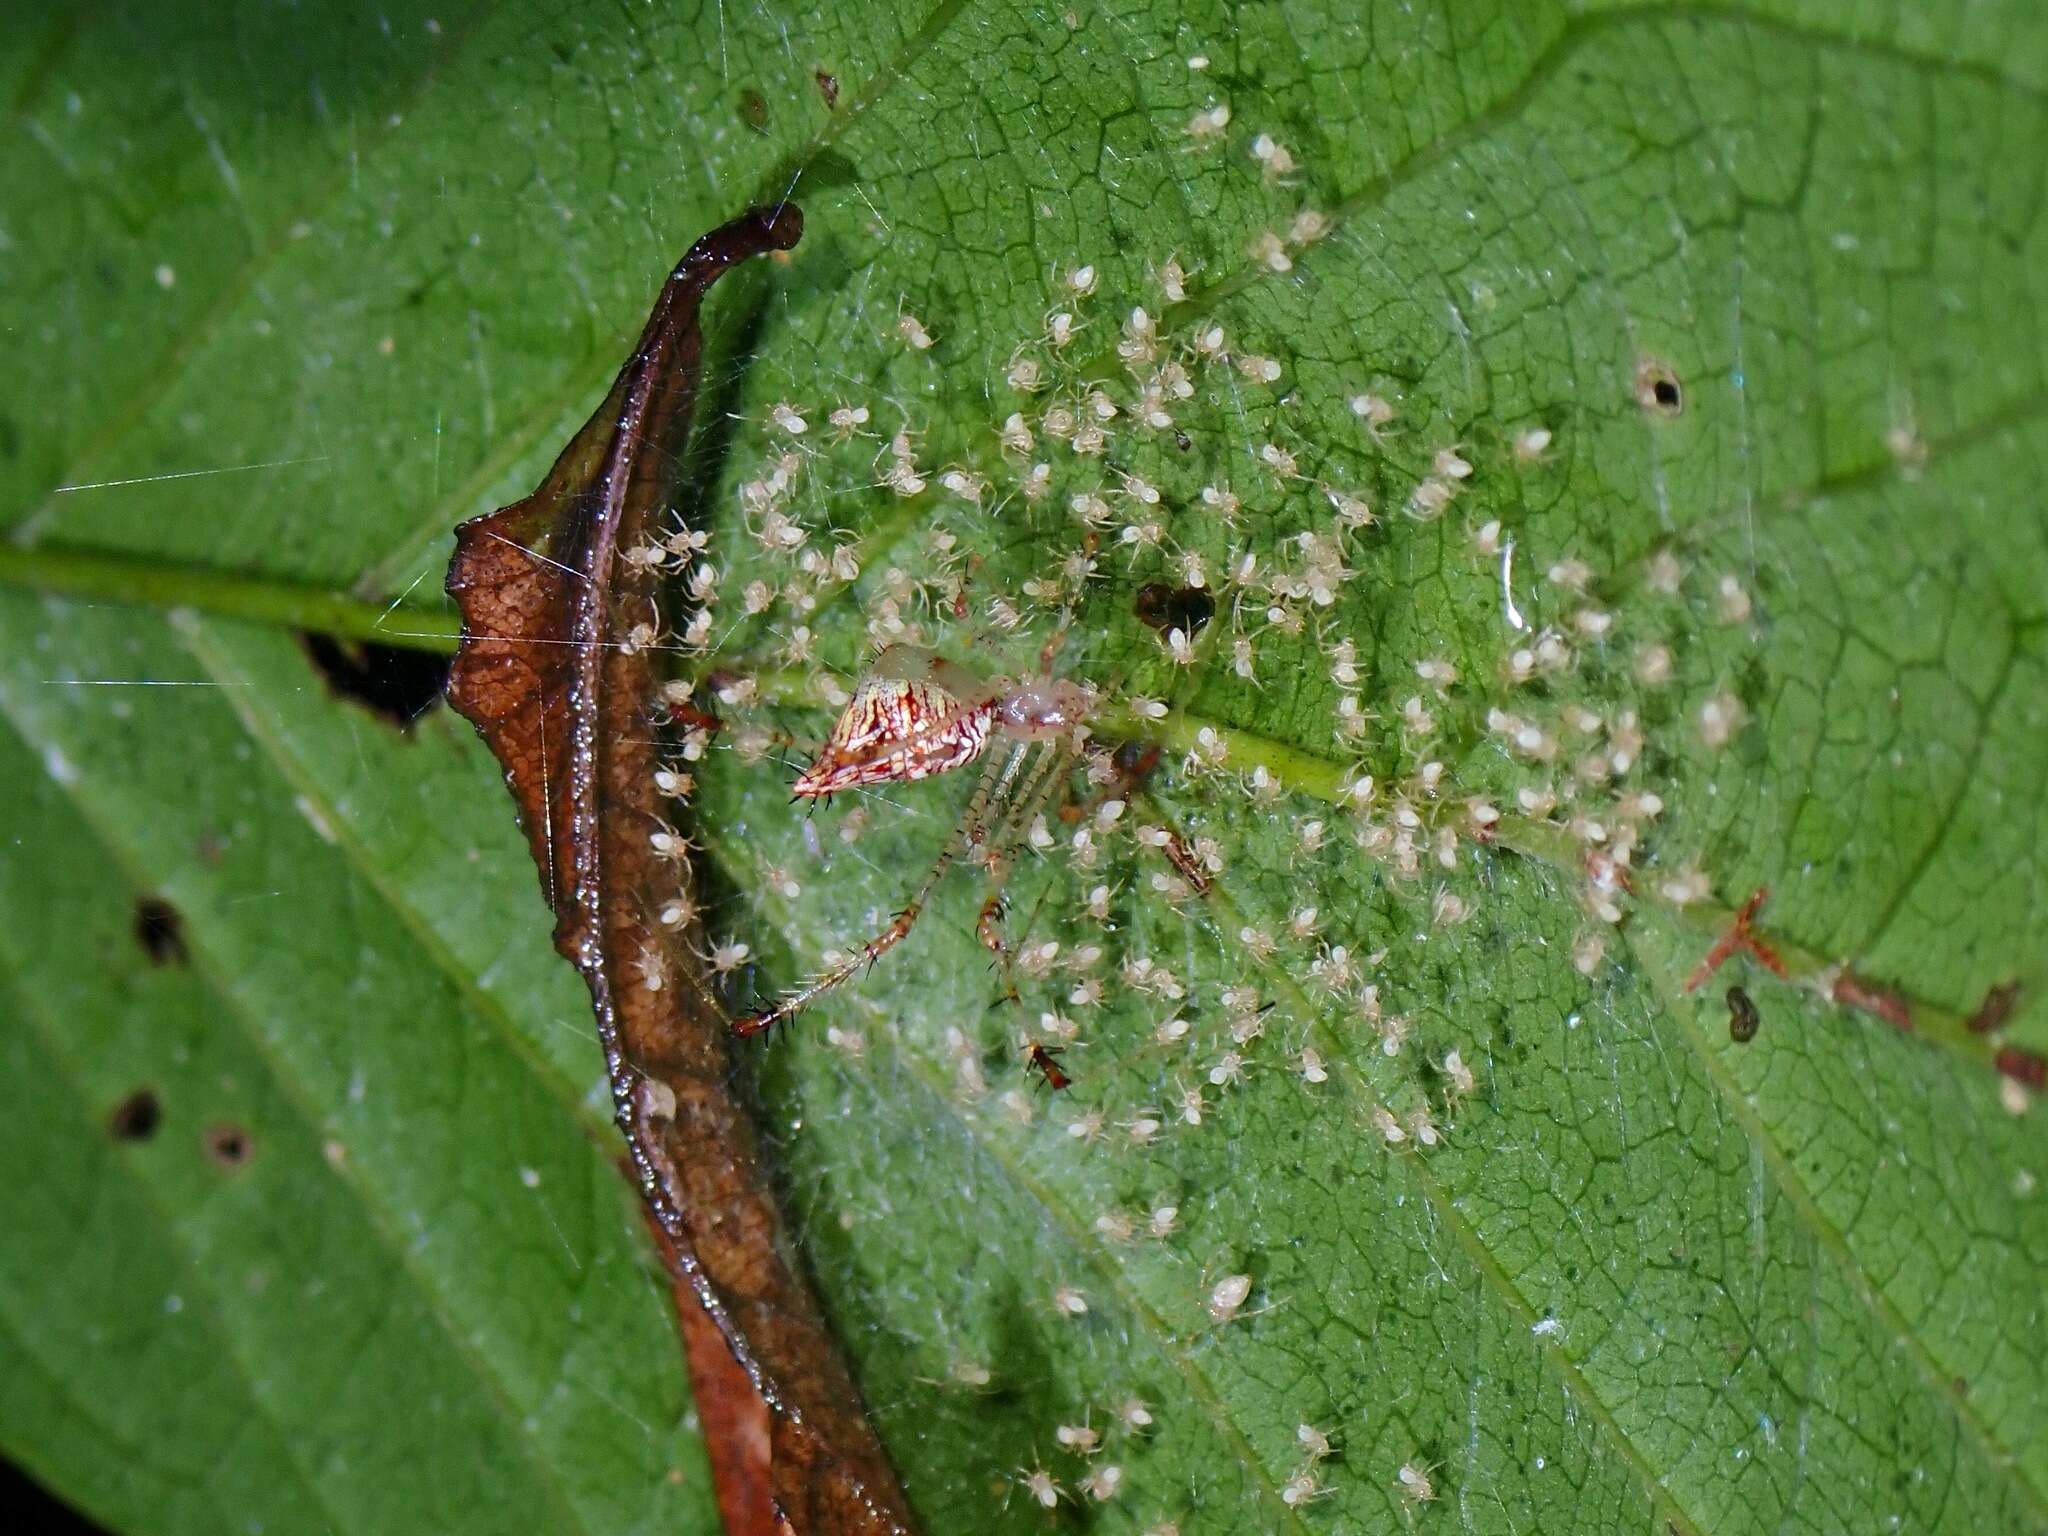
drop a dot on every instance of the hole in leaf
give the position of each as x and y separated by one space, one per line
1164 608
227 1145
1658 389
136 1117
395 684
160 930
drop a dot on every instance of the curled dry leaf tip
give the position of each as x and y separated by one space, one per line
546 595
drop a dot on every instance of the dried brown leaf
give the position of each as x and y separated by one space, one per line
573 715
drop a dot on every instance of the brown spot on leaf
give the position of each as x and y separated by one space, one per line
395 685
228 1145
160 930
754 111
136 1117
545 594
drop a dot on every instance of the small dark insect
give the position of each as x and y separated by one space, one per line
1044 1059
1742 1016
828 87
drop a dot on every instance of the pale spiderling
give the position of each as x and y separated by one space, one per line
1082 1439
1041 1486
1531 445
1227 1296
912 330
1415 1485
1206 126
1273 157
1302 1488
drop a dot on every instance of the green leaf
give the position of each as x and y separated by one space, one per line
1647 1278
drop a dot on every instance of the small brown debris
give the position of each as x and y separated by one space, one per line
828 87
1996 1008
1183 859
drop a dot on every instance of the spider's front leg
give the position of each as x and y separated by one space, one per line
971 833
1000 846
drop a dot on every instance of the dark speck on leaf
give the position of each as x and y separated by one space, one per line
159 930
828 87
754 110
227 1145
136 1117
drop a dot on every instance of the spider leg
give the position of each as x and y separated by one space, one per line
970 834
1046 775
988 928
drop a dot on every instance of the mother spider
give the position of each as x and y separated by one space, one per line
916 714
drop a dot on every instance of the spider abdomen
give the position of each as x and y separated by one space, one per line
898 730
